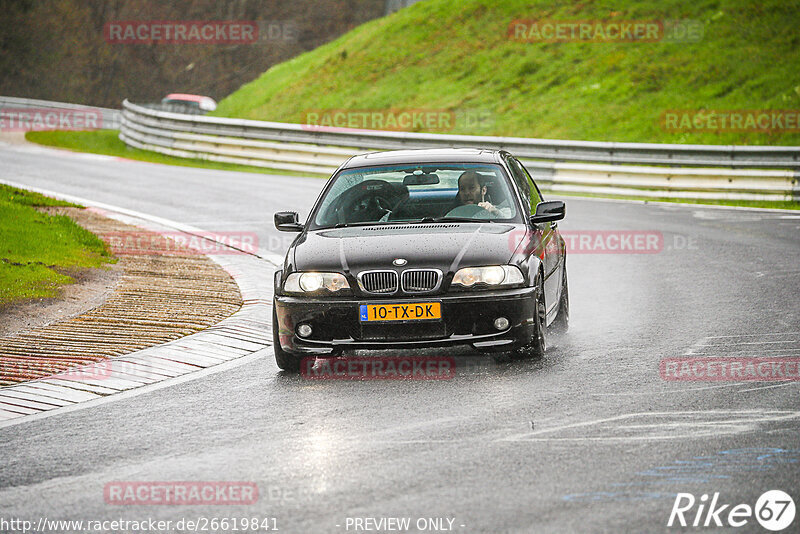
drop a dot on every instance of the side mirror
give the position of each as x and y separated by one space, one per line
554 210
288 221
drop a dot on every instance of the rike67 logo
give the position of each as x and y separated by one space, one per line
774 510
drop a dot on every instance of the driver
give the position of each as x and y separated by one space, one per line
472 190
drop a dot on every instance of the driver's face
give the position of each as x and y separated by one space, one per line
469 190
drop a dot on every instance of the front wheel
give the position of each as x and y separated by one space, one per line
286 361
536 347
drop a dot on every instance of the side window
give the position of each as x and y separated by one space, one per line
536 195
526 185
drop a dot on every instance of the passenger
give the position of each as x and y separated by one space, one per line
472 190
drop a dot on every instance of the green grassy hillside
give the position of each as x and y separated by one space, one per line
457 56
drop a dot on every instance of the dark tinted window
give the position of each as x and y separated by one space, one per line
394 194
530 194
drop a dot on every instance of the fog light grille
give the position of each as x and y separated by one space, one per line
501 323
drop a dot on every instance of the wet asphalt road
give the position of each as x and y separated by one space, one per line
588 439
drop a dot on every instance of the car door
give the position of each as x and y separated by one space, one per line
546 234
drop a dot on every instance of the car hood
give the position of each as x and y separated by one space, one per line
447 247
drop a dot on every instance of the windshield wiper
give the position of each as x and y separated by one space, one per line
423 220
347 225
453 219
364 223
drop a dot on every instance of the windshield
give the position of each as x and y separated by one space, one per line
421 193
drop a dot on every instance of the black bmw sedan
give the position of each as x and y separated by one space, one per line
423 249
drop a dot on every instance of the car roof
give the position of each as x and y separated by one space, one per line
424 155
187 97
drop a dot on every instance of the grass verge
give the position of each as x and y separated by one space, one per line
39 251
107 143
761 204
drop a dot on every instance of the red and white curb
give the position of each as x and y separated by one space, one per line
240 336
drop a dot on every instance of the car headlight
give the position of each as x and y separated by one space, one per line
493 275
312 282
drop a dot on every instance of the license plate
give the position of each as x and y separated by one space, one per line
418 311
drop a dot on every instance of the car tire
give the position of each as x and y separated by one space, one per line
560 324
286 361
537 345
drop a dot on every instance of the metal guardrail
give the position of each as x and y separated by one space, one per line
315 150
110 117
560 150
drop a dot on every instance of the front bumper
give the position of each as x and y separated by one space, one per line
467 319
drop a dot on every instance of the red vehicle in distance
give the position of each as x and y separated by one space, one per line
187 103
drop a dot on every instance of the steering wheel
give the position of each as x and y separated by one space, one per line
400 210
368 201
472 211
